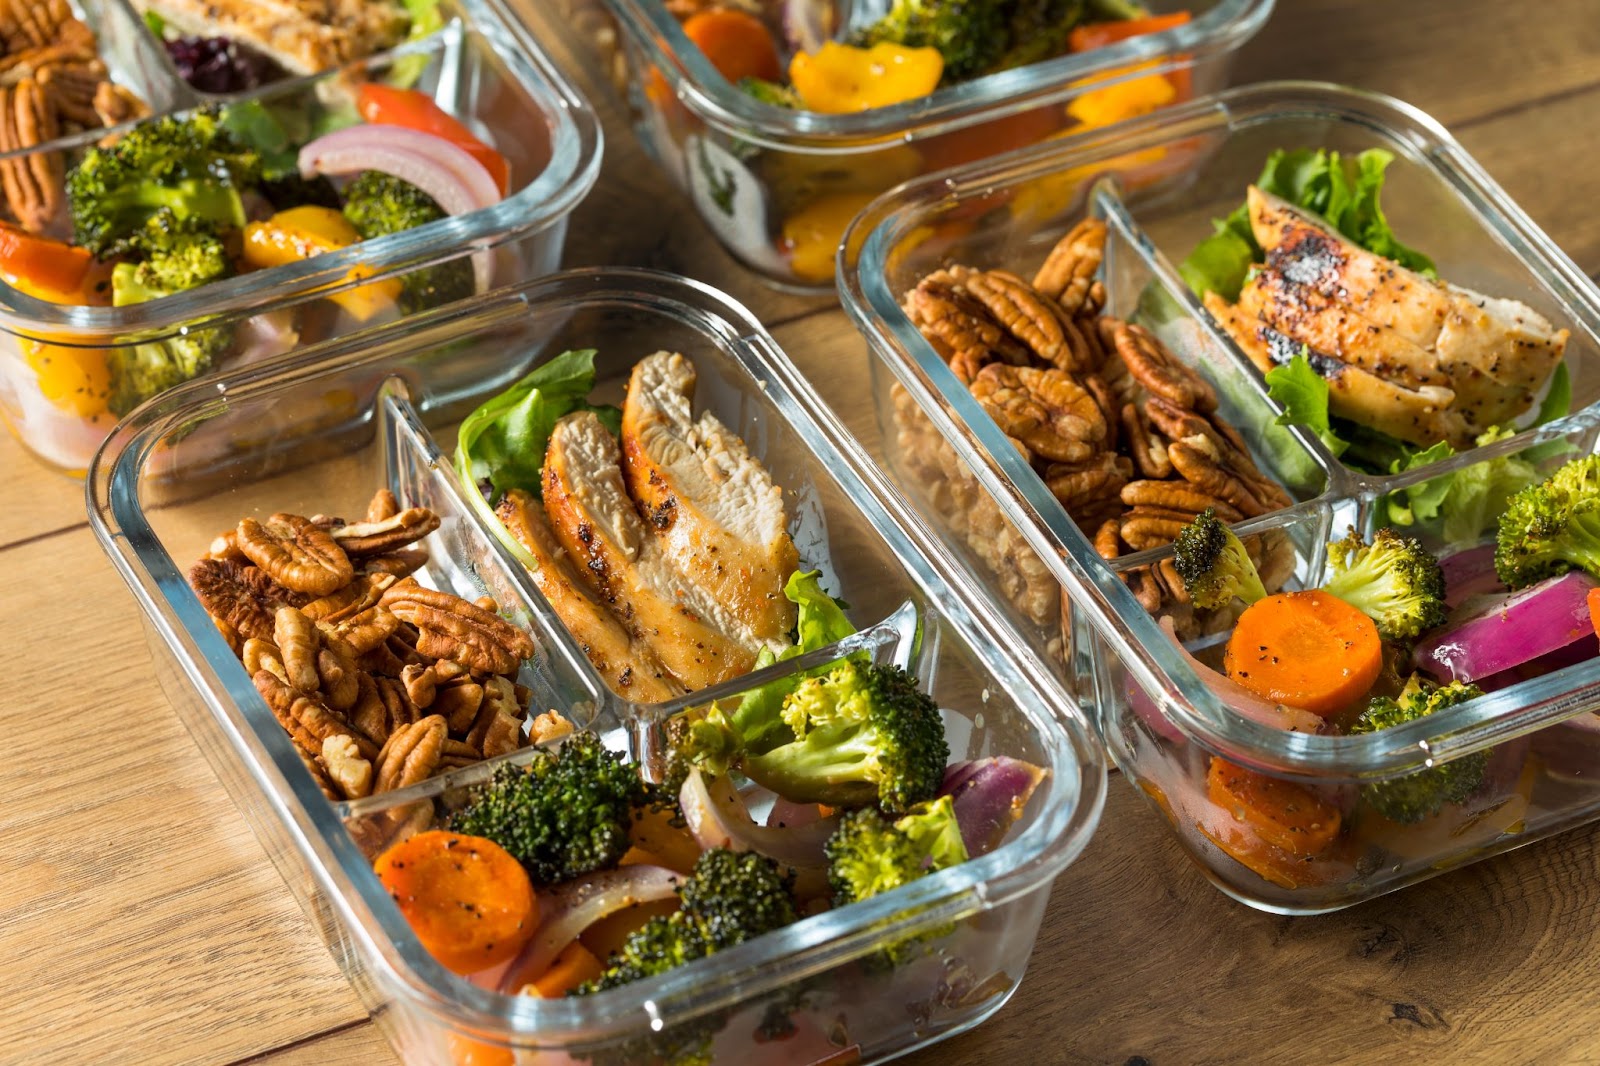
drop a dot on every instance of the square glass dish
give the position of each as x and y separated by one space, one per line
55 381
1156 183
778 186
157 498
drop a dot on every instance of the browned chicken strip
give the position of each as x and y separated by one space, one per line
303 36
710 504
596 522
1495 354
631 669
1419 416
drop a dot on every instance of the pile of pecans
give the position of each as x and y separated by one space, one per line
53 83
379 681
1124 434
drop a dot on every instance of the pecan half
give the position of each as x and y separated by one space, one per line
411 754
396 564
1067 275
549 726
421 683
1030 318
458 704
346 767
1149 451
1154 366
387 534
298 642
1083 487
295 553
319 774
1177 496
1197 459
1046 410
1107 540
382 505
306 719
258 655
337 674
449 627
114 105
239 594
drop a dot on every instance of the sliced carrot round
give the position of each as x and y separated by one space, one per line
1282 814
1305 649
467 899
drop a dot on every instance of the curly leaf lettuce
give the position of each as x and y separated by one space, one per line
503 442
1343 192
1303 395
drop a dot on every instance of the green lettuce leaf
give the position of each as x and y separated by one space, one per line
1420 502
426 18
1303 395
503 442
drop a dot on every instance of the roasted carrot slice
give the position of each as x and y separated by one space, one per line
1283 814
737 43
575 965
469 902
1305 649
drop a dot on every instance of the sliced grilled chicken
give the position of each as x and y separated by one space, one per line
1494 353
596 522
630 667
1419 416
710 504
303 36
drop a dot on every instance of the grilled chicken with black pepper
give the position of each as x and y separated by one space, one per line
303 36
629 666
1416 358
709 503
594 519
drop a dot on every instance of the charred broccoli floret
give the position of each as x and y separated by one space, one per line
1395 581
858 735
731 897
140 371
1420 795
378 204
971 35
1214 565
1039 30
189 166
563 814
1552 527
770 92
172 254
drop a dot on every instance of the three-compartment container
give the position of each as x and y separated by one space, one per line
482 67
778 186
1157 183
158 494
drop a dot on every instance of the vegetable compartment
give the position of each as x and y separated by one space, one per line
160 493
1158 185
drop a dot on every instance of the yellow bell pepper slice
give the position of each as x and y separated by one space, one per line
811 235
838 78
74 380
302 233
1122 100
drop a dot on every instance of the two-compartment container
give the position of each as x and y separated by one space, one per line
778 186
483 67
159 494
1158 183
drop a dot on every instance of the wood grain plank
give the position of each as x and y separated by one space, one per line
137 910
34 500
1457 61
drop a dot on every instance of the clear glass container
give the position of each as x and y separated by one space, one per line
1157 183
158 495
777 186
133 58
482 68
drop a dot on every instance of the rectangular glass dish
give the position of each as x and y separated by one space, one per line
777 186
484 69
158 495
1157 183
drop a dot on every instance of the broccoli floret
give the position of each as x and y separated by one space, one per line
292 190
1552 527
378 204
1420 795
971 35
770 92
857 735
563 814
173 255
1214 565
1395 581
1039 30
869 855
179 256
731 897
189 166
140 371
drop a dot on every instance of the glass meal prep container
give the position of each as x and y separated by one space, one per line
483 68
1157 183
778 186
156 499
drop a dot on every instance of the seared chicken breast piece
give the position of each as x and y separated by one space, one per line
630 667
1421 416
709 503
596 522
1495 354
303 36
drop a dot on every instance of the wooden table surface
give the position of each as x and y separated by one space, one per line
141 923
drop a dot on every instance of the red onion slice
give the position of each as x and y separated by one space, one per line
571 908
989 795
1512 630
718 818
457 182
1469 573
